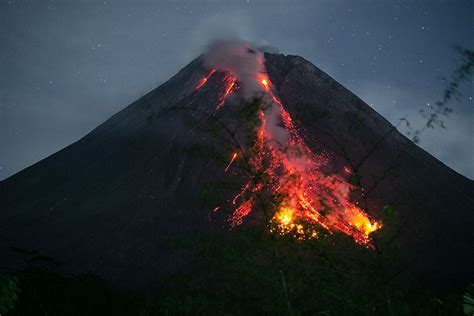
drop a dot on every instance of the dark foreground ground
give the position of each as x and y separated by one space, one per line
249 272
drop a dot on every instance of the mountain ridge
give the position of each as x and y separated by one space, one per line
120 188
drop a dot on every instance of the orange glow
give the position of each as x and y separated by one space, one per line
230 84
362 223
242 211
264 82
309 198
203 81
231 161
285 216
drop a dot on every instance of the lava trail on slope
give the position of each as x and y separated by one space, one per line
305 200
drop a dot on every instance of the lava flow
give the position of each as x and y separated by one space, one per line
229 82
307 200
230 162
203 81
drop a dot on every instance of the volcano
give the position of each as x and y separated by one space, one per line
107 203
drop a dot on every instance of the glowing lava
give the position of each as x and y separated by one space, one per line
203 81
231 161
307 199
229 82
285 216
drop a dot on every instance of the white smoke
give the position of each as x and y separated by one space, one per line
274 129
238 58
246 63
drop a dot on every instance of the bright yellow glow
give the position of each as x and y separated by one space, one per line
285 216
362 223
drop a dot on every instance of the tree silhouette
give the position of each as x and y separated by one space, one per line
436 115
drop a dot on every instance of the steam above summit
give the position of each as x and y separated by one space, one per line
239 59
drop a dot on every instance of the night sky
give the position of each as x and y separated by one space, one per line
66 66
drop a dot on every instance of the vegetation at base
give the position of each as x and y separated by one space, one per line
45 292
9 291
247 271
468 300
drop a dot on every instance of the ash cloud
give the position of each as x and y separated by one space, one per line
239 58
245 60
231 45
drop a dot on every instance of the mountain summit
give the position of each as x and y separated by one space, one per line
109 203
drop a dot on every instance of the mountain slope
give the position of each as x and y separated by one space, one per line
108 202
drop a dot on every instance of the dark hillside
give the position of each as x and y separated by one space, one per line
109 203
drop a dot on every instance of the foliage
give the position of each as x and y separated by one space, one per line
45 292
468 301
247 271
434 117
9 291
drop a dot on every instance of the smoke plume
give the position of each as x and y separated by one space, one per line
295 172
238 58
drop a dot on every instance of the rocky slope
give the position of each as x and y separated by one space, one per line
107 203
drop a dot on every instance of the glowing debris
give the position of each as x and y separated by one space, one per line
230 162
203 81
308 198
229 82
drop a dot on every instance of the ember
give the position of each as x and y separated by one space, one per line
231 161
229 82
203 81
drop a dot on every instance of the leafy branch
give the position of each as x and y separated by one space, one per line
435 116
